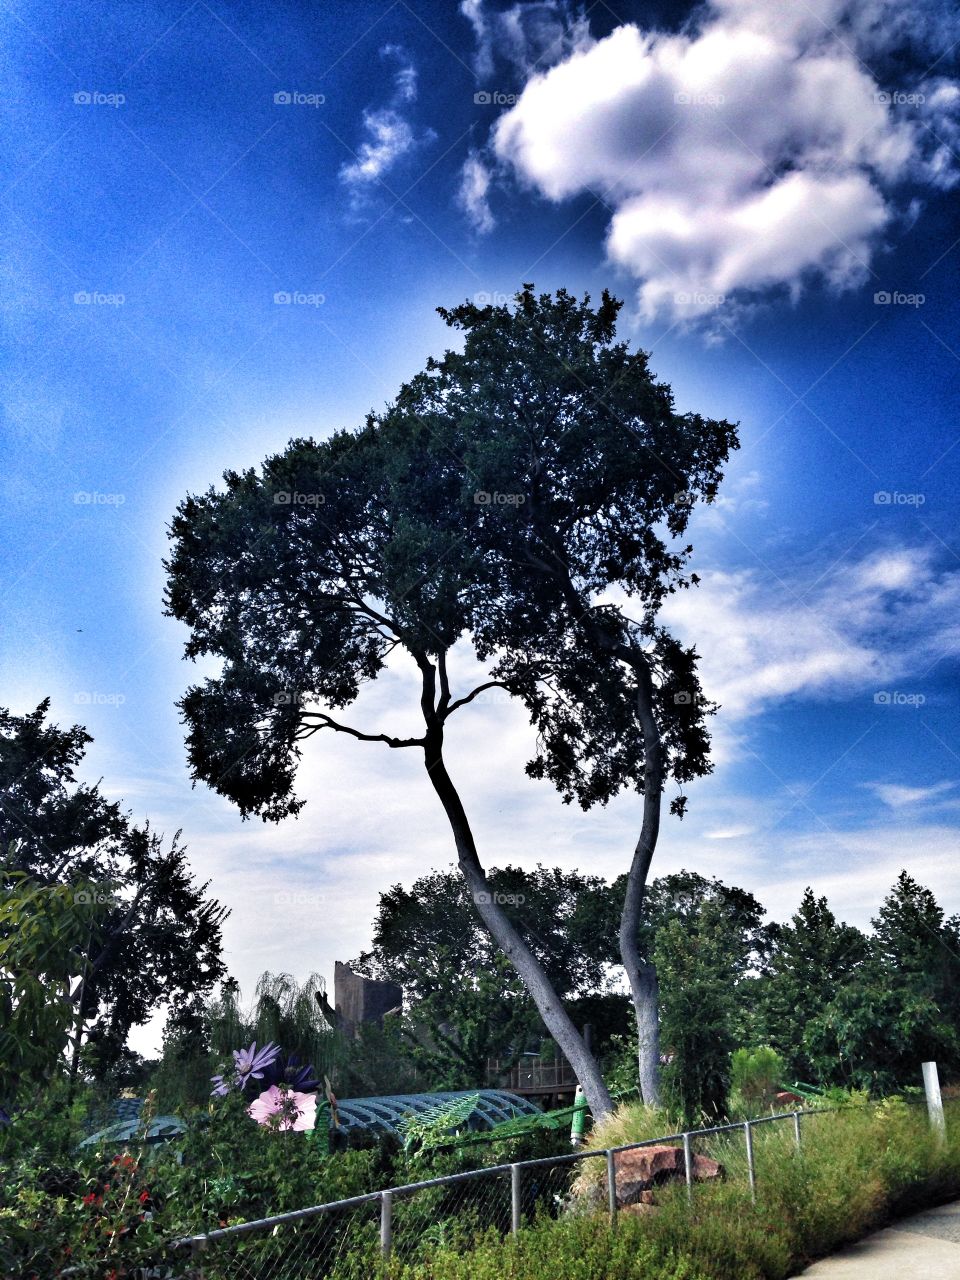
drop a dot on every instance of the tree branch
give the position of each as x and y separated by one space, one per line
462 702
444 702
327 722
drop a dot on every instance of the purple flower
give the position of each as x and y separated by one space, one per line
221 1087
300 1078
252 1063
248 1064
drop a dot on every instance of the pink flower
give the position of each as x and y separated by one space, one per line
297 1111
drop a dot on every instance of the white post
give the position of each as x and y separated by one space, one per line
688 1165
386 1223
931 1085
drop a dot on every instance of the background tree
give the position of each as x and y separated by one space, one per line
569 919
810 960
682 897
710 938
46 935
462 1005
583 477
706 938
158 936
901 1006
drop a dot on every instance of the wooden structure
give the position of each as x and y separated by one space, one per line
550 1081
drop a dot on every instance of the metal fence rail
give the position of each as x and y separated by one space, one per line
454 1210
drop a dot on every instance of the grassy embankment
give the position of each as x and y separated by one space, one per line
858 1168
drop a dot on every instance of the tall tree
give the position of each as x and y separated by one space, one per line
499 497
584 477
901 1006
810 959
304 579
158 935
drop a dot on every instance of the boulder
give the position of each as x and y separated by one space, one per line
787 1101
644 1168
645 1205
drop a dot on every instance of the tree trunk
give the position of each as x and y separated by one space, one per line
641 973
507 938
647 1003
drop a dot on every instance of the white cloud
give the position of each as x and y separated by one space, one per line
751 153
472 196
390 134
896 796
390 137
764 637
405 77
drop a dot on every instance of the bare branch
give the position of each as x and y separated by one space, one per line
327 722
462 702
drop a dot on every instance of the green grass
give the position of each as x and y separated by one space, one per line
857 1169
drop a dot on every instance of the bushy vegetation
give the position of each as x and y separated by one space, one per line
838 1007
858 1168
107 1209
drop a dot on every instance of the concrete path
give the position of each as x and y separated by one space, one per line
924 1247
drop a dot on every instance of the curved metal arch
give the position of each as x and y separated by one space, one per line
493 1107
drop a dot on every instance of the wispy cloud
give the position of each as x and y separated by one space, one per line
525 37
391 135
765 637
896 796
472 196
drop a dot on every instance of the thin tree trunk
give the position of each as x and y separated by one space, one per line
75 1050
507 938
641 972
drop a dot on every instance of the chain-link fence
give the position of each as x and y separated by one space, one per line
343 1240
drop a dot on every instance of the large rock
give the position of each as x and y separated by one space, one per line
642 1169
787 1101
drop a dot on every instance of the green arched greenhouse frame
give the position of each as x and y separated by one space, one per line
494 1106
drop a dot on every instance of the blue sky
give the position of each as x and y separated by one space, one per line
754 187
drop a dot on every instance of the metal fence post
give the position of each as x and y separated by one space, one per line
751 1170
386 1222
688 1165
514 1198
612 1187
196 1259
796 1128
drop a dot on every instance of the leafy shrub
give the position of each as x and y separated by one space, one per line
755 1078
